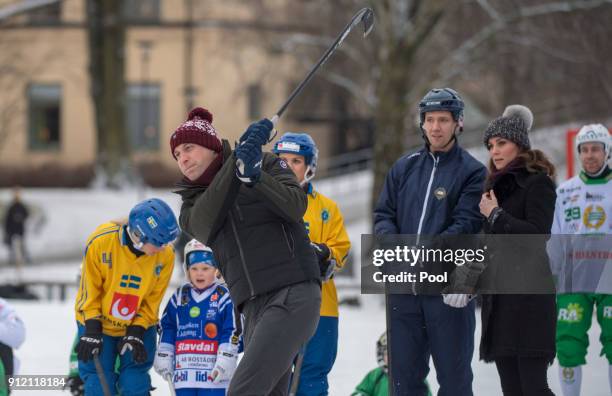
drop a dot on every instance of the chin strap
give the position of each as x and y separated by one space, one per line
308 175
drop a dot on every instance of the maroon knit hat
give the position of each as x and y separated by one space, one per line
197 129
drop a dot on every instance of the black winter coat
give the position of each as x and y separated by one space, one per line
520 324
15 218
256 233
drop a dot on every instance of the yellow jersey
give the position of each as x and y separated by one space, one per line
118 287
325 224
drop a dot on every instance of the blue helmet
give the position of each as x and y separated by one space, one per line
442 99
300 144
152 221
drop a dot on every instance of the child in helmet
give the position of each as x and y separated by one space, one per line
126 270
376 382
199 342
330 242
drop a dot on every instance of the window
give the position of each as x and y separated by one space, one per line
46 15
140 10
44 116
142 116
254 98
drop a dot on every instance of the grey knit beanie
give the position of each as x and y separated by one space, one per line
514 125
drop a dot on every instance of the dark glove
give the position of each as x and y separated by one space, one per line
322 251
75 385
260 131
326 265
90 343
464 278
248 164
132 341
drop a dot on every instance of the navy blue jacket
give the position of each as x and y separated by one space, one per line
432 193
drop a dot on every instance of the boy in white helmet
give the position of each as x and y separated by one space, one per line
198 347
583 207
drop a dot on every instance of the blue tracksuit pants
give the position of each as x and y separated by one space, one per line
319 358
423 326
133 379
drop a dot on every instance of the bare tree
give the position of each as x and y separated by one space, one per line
106 35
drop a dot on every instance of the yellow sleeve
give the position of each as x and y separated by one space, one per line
90 288
148 313
337 240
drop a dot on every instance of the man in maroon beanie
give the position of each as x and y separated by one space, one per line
248 207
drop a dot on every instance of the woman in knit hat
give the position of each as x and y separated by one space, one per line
518 330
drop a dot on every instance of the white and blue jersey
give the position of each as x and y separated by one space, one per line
196 324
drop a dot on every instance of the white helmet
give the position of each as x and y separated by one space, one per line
596 133
197 252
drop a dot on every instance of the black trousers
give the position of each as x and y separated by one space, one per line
523 376
276 326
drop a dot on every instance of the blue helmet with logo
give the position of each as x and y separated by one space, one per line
300 144
152 221
442 99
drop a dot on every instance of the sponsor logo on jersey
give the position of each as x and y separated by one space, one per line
206 347
283 164
210 330
569 190
607 312
130 281
214 297
211 313
325 215
180 376
594 197
594 216
123 306
194 312
572 198
572 314
201 376
440 193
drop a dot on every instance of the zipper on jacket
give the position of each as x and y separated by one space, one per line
242 259
431 178
239 212
289 245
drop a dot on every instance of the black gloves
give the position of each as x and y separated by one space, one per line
133 341
75 385
90 343
326 264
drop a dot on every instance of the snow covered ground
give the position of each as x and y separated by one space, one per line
50 332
